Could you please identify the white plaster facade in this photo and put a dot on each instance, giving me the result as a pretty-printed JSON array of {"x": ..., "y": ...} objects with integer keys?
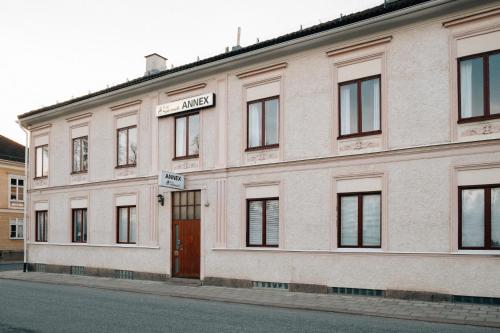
[{"x": 417, "y": 162}]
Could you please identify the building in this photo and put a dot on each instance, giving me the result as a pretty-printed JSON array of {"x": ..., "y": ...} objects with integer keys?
[
  {"x": 359, "y": 155},
  {"x": 12, "y": 178}
]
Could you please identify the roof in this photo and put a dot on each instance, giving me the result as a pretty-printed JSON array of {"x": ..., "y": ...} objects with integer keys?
[
  {"x": 11, "y": 150},
  {"x": 336, "y": 23}
]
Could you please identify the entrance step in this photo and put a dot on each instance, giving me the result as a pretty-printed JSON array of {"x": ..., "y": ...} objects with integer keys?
[{"x": 184, "y": 282}]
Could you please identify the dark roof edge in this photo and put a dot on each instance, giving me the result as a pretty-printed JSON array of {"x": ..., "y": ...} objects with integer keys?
[{"x": 330, "y": 25}]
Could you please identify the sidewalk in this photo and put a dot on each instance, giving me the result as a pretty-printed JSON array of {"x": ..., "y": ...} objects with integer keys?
[{"x": 453, "y": 313}]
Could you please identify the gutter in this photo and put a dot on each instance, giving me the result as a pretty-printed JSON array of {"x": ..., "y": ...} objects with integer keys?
[
  {"x": 244, "y": 56},
  {"x": 26, "y": 198}
]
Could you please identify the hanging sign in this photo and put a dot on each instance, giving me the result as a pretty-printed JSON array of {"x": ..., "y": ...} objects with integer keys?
[{"x": 170, "y": 179}]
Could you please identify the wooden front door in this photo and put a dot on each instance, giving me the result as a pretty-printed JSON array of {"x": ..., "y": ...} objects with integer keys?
[{"x": 186, "y": 208}]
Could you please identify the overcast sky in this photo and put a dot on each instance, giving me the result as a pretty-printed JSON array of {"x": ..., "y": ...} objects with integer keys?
[{"x": 52, "y": 50}]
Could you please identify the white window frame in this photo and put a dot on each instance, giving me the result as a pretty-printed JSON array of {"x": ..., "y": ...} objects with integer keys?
[
  {"x": 16, "y": 222},
  {"x": 16, "y": 201}
]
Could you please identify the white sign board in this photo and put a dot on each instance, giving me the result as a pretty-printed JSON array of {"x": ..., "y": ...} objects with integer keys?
[
  {"x": 170, "y": 179},
  {"x": 187, "y": 104}
]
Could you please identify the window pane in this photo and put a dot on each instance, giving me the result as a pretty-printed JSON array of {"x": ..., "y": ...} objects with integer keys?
[
  {"x": 473, "y": 218},
  {"x": 20, "y": 194},
  {"x": 13, "y": 193},
  {"x": 348, "y": 109},
  {"x": 194, "y": 134},
  {"x": 495, "y": 217},
  {"x": 122, "y": 147},
  {"x": 122, "y": 225},
  {"x": 271, "y": 114},
  {"x": 494, "y": 66},
  {"x": 85, "y": 153},
  {"x": 45, "y": 169},
  {"x": 177, "y": 213},
  {"x": 133, "y": 225},
  {"x": 20, "y": 182},
  {"x": 349, "y": 221},
  {"x": 471, "y": 88},
  {"x": 177, "y": 198},
  {"x": 84, "y": 224},
  {"x": 197, "y": 197},
  {"x": 190, "y": 212},
  {"x": 76, "y": 155},
  {"x": 371, "y": 220},
  {"x": 272, "y": 222},
  {"x": 190, "y": 198},
  {"x": 180, "y": 137},
  {"x": 12, "y": 231},
  {"x": 77, "y": 225},
  {"x": 38, "y": 172},
  {"x": 20, "y": 231},
  {"x": 132, "y": 145},
  {"x": 197, "y": 212},
  {"x": 254, "y": 125},
  {"x": 183, "y": 212},
  {"x": 370, "y": 105},
  {"x": 183, "y": 198},
  {"x": 255, "y": 223},
  {"x": 13, "y": 181}
]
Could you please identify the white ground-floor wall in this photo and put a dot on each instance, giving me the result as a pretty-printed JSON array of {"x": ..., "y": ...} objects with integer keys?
[{"x": 419, "y": 223}]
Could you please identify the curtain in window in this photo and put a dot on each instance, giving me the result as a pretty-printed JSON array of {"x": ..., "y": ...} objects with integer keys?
[
  {"x": 122, "y": 147},
  {"x": 180, "y": 136},
  {"x": 194, "y": 134},
  {"x": 466, "y": 88},
  {"x": 254, "y": 125},
  {"x": 85, "y": 153},
  {"x": 370, "y": 99},
  {"x": 122, "y": 225},
  {"x": 255, "y": 222},
  {"x": 76, "y": 155},
  {"x": 271, "y": 114},
  {"x": 77, "y": 226},
  {"x": 473, "y": 218},
  {"x": 45, "y": 169},
  {"x": 133, "y": 225},
  {"x": 348, "y": 109},
  {"x": 495, "y": 217},
  {"x": 371, "y": 220},
  {"x": 38, "y": 171},
  {"x": 494, "y": 68},
  {"x": 471, "y": 88},
  {"x": 132, "y": 145},
  {"x": 272, "y": 222},
  {"x": 349, "y": 221}
]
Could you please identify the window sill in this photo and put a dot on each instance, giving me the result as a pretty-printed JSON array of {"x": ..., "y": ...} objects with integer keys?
[
  {"x": 18, "y": 238},
  {"x": 125, "y": 166},
  {"x": 478, "y": 119},
  {"x": 180, "y": 158},
  {"x": 121, "y": 245},
  {"x": 79, "y": 172},
  {"x": 357, "y": 135},
  {"x": 359, "y": 249},
  {"x": 40, "y": 178},
  {"x": 262, "y": 148}
]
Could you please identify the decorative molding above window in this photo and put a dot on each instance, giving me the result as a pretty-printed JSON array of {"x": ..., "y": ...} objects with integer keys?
[
  {"x": 39, "y": 127},
  {"x": 359, "y": 45},
  {"x": 125, "y": 105},
  {"x": 80, "y": 116},
  {"x": 471, "y": 18},
  {"x": 262, "y": 70},
  {"x": 186, "y": 89}
]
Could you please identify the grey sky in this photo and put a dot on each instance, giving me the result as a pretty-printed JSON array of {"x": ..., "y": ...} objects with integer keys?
[{"x": 55, "y": 49}]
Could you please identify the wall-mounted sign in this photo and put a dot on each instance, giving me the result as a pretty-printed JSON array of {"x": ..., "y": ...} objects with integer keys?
[
  {"x": 170, "y": 179},
  {"x": 187, "y": 104}
]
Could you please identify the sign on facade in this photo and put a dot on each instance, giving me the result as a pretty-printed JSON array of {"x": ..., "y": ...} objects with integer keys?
[
  {"x": 187, "y": 104},
  {"x": 172, "y": 180}
]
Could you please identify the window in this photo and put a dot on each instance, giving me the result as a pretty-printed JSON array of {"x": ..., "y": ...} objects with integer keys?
[
  {"x": 359, "y": 216},
  {"x": 479, "y": 86},
  {"x": 479, "y": 217},
  {"x": 16, "y": 190},
  {"x": 359, "y": 105},
  {"x": 186, "y": 205},
  {"x": 16, "y": 228},
  {"x": 41, "y": 219},
  {"x": 79, "y": 225},
  {"x": 263, "y": 222},
  {"x": 80, "y": 154},
  {"x": 127, "y": 146},
  {"x": 187, "y": 136},
  {"x": 127, "y": 225},
  {"x": 42, "y": 161},
  {"x": 263, "y": 123}
]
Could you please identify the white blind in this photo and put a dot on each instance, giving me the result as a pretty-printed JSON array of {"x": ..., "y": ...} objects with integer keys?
[
  {"x": 255, "y": 223},
  {"x": 371, "y": 220},
  {"x": 349, "y": 221},
  {"x": 272, "y": 222},
  {"x": 473, "y": 217}
]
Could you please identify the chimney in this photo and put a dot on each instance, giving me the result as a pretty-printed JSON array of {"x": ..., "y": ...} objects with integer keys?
[
  {"x": 155, "y": 63},
  {"x": 238, "y": 37}
]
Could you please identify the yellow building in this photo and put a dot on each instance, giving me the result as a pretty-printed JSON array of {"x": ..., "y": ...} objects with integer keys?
[{"x": 12, "y": 193}]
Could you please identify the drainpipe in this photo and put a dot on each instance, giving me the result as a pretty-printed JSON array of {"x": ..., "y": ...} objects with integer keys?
[{"x": 26, "y": 201}]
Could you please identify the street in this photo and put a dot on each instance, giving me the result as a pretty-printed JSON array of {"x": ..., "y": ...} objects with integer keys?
[{"x": 38, "y": 307}]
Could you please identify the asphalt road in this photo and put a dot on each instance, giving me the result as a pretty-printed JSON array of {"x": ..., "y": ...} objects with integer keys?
[{"x": 36, "y": 307}]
